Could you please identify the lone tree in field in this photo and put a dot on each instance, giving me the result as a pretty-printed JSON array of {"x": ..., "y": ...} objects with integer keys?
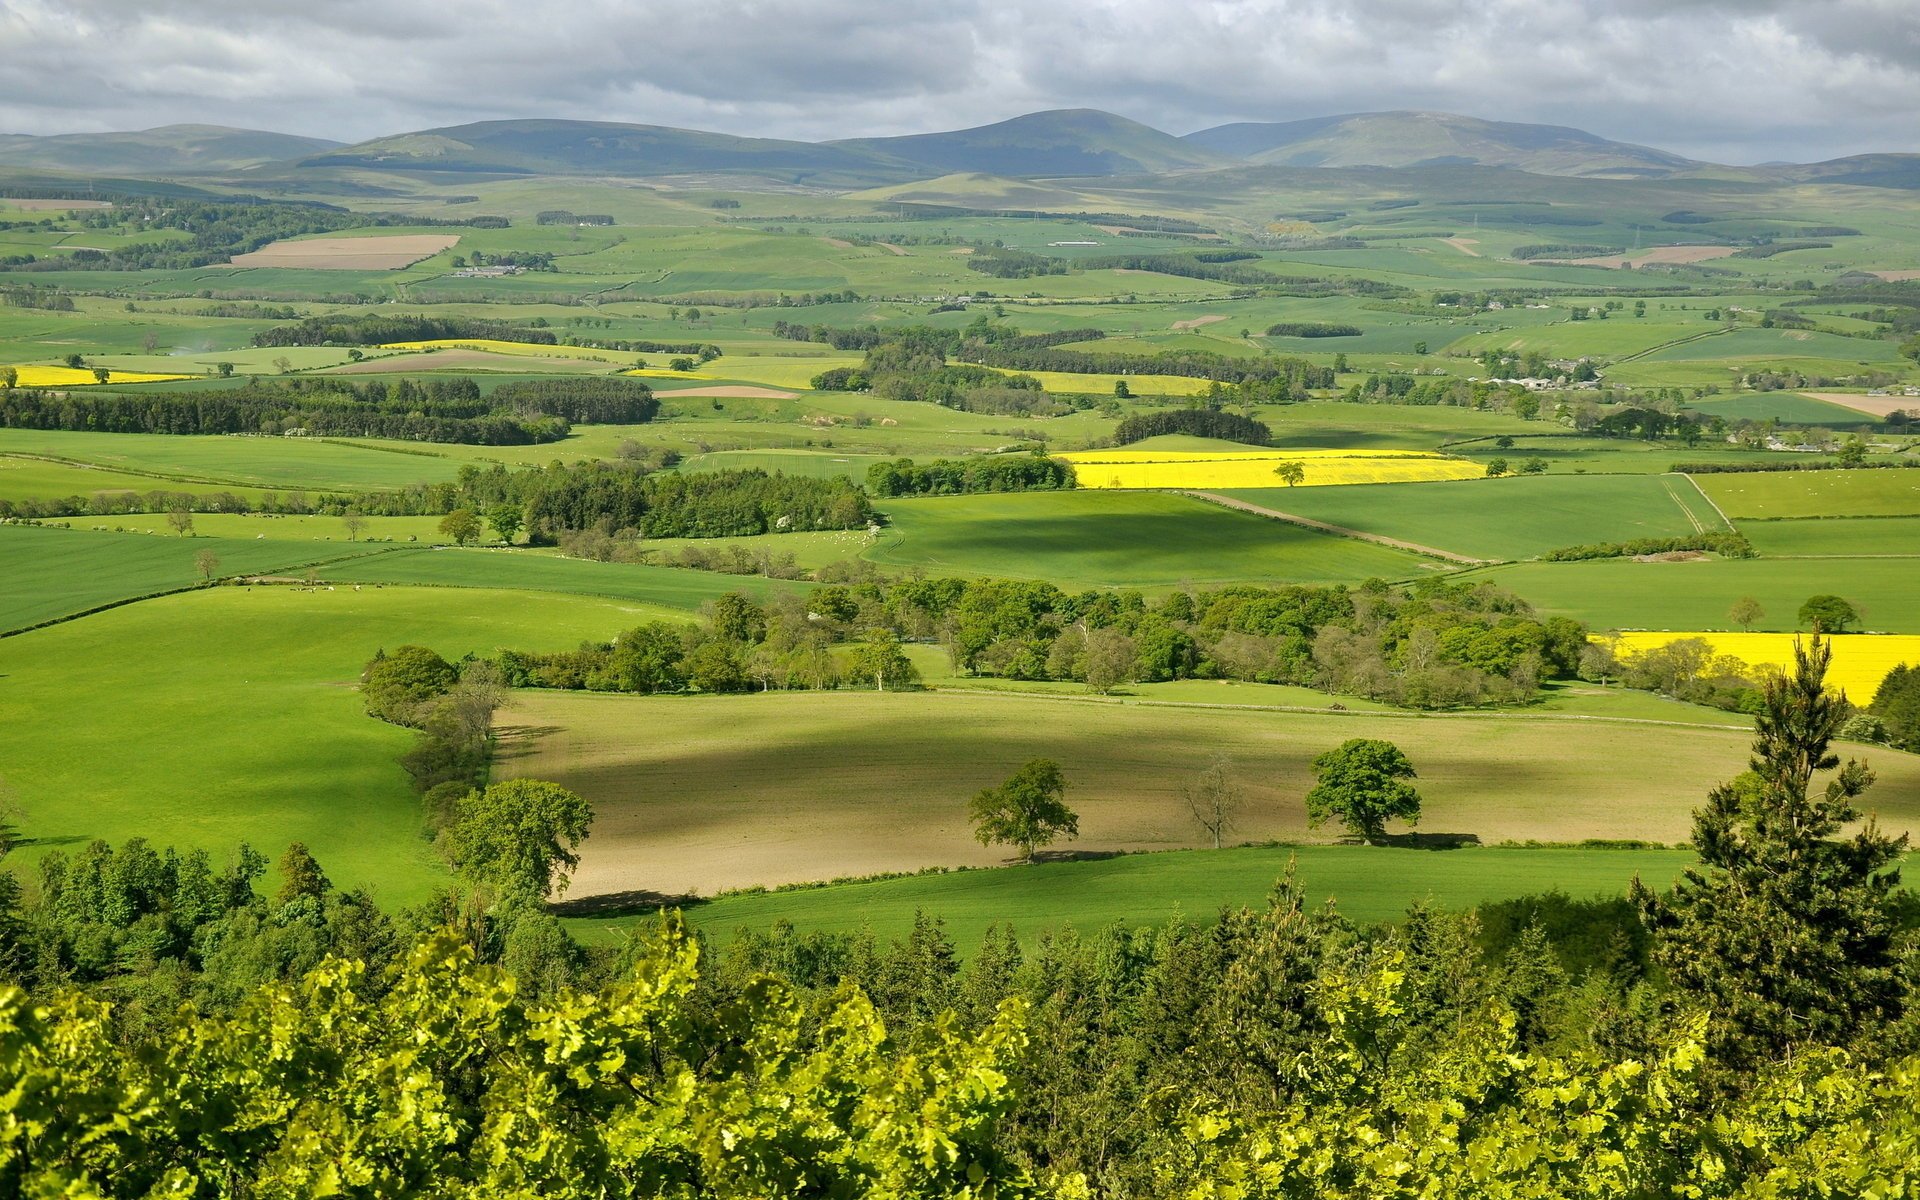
[
  {"x": 208, "y": 564},
  {"x": 460, "y": 525},
  {"x": 1746, "y": 611},
  {"x": 182, "y": 521},
  {"x": 1027, "y": 811},
  {"x": 1828, "y": 614},
  {"x": 1785, "y": 934},
  {"x": 519, "y": 836},
  {"x": 880, "y": 659},
  {"x": 1214, "y": 797},
  {"x": 101, "y": 374},
  {"x": 355, "y": 523},
  {"x": 9, "y": 377},
  {"x": 506, "y": 522},
  {"x": 1291, "y": 473},
  {"x": 1363, "y": 785}
]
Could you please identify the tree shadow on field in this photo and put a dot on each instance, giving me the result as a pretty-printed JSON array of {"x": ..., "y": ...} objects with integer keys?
[
  {"x": 66, "y": 840},
  {"x": 520, "y": 741},
  {"x": 1420, "y": 841},
  {"x": 1061, "y": 856},
  {"x": 637, "y": 903}
]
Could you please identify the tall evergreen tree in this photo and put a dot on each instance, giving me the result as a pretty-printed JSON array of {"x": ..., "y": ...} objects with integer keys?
[{"x": 1787, "y": 936}]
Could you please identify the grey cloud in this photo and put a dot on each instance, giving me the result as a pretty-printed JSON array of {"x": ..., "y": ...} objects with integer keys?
[{"x": 1736, "y": 80}]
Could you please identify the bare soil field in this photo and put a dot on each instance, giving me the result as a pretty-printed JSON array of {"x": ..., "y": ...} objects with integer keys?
[
  {"x": 54, "y": 205},
  {"x": 890, "y": 248},
  {"x": 838, "y": 243},
  {"x": 470, "y": 360},
  {"x": 698, "y": 794},
  {"x": 1659, "y": 254},
  {"x": 1198, "y": 322},
  {"x": 1464, "y": 245},
  {"x": 1897, "y": 276},
  {"x": 350, "y": 254},
  {"x": 1874, "y": 406}
]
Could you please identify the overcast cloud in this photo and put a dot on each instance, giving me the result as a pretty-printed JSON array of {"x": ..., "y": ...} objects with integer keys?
[{"x": 1726, "y": 80}]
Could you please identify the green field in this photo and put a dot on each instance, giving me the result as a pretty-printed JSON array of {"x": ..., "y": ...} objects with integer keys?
[
  {"x": 1505, "y": 518},
  {"x": 449, "y": 567},
  {"x": 1366, "y": 884},
  {"x": 52, "y": 573},
  {"x": 1829, "y": 537},
  {"x": 1623, "y": 594},
  {"x": 230, "y": 715},
  {"x": 245, "y": 462},
  {"x": 1121, "y": 539},
  {"x": 1888, "y": 492}
]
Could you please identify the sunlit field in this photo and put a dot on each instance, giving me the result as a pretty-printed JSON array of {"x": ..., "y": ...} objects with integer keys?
[
  {"x": 1257, "y": 469},
  {"x": 1860, "y": 660}
]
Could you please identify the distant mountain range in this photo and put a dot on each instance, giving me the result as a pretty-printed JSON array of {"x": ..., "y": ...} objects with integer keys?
[
  {"x": 1061, "y": 144},
  {"x": 168, "y": 150}
]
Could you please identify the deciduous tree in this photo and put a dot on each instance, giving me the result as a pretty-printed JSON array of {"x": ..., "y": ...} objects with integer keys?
[
  {"x": 1363, "y": 785},
  {"x": 1028, "y": 811}
]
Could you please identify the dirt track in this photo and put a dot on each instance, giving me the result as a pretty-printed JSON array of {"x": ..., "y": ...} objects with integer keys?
[{"x": 1342, "y": 530}]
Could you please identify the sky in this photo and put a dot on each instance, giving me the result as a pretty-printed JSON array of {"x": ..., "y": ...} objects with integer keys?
[{"x": 1736, "y": 81}]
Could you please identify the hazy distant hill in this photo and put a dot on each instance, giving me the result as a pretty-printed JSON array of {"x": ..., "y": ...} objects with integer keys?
[
  {"x": 1420, "y": 139},
  {"x": 599, "y": 148},
  {"x": 1866, "y": 170},
  {"x": 1068, "y": 141},
  {"x": 168, "y": 150}
]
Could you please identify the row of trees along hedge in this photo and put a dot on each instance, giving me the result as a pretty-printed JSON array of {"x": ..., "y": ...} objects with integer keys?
[
  {"x": 1199, "y": 421},
  {"x": 617, "y": 496},
  {"x": 1435, "y": 646},
  {"x": 1748, "y": 1033},
  {"x": 1727, "y": 545},
  {"x": 437, "y": 410},
  {"x": 958, "y": 477},
  {"x": 987, "y": 343},
  {"x": 1798, "y": 464},
  {"x": 379, "y": 329}
]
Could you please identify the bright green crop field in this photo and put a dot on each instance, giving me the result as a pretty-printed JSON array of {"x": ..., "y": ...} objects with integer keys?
[
  {"x": 228, "y": 715},
  {"x": 1366, "y": 884},
  {"x": 1831, "y": 537},
  {"x": 1886, "y": 492},
  {"x": 51, "y": 573},
  {"x": 1505, "y": 518},
  {"x": 1121, "y": 539},
  {"x": 628, "y": 583},
  {"x": 257, "y": 462},
  {"x": 1624, "y": 594}
]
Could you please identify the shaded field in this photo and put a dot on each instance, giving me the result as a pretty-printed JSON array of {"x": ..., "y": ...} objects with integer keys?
[
  {"x": 1366, "y": 884},
  {"x": 521, "y": 570},
  {"x": 52, "y": 573},
  {"x": 697, "y": 794},
  {"x": 1623, "y": 594},
  {"x": 1824, "y": 537},
  {"x": 229, "y": 715},
  {"x": 1873, "y": 493},
  {"x": 1121, "y": 539},
  {"x": 378, "y": 253},
  {"x": 1503, "y": 518}
]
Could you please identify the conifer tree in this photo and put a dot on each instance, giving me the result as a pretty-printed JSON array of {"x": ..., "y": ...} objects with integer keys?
[{"x": 1786, "y": 933}]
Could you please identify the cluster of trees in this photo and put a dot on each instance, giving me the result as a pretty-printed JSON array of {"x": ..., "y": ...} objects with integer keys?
[
  {"x": 436, "y": 410},
  {"x": 378, "y": 329},
  {"x": 1727, "y": 545},
  {"x": 560, "y": 216},
  {"x": 1001, "y": 262},
  {"x": 1313, "y": 329},
  {"x": 1896, "y": 708},
  {"x": 958, "y": 477},
  {"x": 1748, "y": 1033},
  {"x": 615, "y": 496},
  {"x": 1201, "y": 420}
]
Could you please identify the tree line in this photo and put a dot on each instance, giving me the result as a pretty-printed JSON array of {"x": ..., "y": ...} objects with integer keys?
[
  {"x": 437, "y": 410},
  {"x": 380, "y": 329},
  {"x": 1195, "y": 421},
  {"x": 960, "y": 477}
]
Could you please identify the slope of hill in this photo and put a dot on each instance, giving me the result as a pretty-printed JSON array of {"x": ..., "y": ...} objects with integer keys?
[
  {"x": 546, "y": 147},
  {"x": 1865, "y": 170},
  {"x": 1068, "y": 141},
  {"x": 167, "y": 150},
  {"x": 1421, "y": 139}
]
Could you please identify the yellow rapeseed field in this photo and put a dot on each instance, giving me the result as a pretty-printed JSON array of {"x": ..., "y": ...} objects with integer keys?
[
  {"x": 1860, "y": 660},
  {"x": 1255, "y": 468},
  {"x": 47, "y": 377}
]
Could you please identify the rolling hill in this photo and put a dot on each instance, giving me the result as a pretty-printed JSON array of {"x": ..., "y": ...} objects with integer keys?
[
  {"x": 167, "y": 150},
  {"x": 550, "y": 147},
  {"x": 1425, "y": 139},
  {"x": 1063, "y": 142}
]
